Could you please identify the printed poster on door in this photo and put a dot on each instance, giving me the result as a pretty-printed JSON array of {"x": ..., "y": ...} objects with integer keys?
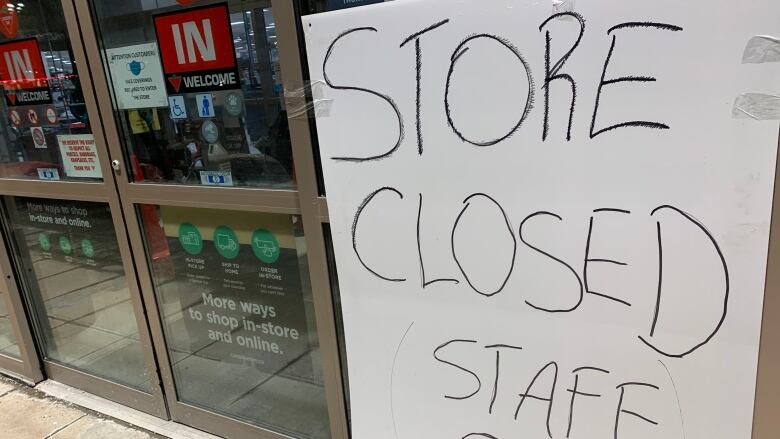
[
  {"x": 23, "y": 73},
  {"x": 137, "y": 76},
  {"x": 196, "y": 48},
  {"x": 241, "y": 279},
  {"x": 79, "y": 155}
]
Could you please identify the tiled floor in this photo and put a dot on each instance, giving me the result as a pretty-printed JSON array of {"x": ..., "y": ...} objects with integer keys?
[
  {"x": 86, "y": 320},
  {"x": 28, "y": 414}
]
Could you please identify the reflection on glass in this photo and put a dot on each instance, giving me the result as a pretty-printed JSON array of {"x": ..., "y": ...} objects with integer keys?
[
  {"x": 8, "y": 344},
  {"x": 215, "y": 116},
  {"x": 74, "y": 281},
  {"x": 44, "y": 127},
  {"x": 234, "y": 292}
]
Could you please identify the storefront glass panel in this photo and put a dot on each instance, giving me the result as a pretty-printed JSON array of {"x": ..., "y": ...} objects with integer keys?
[
  {"x": 71, "y": 271},
  {"x": 8, "y": 344},
  {"x": 234, "y": 294},
  {"x": 197, "y": 107},
  {"x": 44, "y": 128}
]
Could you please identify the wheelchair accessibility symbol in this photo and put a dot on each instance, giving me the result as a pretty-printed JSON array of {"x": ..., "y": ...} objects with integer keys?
[{"x": 177, "y": 107}]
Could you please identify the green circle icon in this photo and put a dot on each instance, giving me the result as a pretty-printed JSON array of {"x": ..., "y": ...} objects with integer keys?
[
  {"x": 65, "y": 245},
  {"x": 265, "y": 246},
  {"x": 226, "y": 242},
  {"x": 43, "y": 240},
  {"x": 190, "y": 239},
  {"x": 87, "y": 248}
]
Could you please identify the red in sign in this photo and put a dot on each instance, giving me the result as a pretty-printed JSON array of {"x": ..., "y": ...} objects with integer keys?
[
  {"x": 185, "y": 2},
  {"x": 196, "y": 47},
  {"x": 23, "y": 74},
  {"x": 51, "y": 115},
  {"x": 32, "y": 116},
  {"x": 9, "y": 22},
  {"x": 16, "y": 119}
]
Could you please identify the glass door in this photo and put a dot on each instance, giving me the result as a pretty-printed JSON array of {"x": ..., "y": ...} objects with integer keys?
[
  {"x": 62, "y": 220},
  {"x": 219, "y": 193}
]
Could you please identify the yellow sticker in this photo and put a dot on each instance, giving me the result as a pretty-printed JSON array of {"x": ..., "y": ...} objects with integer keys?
[{"x": 142, "y": 120}]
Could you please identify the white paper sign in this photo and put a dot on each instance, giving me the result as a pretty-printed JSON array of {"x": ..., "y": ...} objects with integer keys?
[
  {"x": 79, "y": 155},
  {"x": 137, "y": 76},
  {"x": 38, "y": 137},
  {"x": 515, "y": 263}
]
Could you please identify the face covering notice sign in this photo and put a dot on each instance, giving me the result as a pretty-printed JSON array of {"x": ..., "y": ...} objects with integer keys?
[{"x": 137, "y": 76}]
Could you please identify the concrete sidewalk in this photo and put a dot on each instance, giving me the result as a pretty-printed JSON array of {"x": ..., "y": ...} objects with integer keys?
[{"x": 26, "y": 413}]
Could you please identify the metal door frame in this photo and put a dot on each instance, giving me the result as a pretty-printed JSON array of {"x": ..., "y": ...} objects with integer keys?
[
  {"x": 304, "y": 201},
  {"x": 34, "y": 368}
]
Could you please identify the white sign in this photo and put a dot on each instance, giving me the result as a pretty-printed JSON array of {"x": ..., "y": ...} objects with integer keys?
[
  {"x": 48, "y": 174},
  {"x": 39, "y": 137},
  {"x": 515, "y": 263},
  {"x": 205, "y": 103},
  {"x": 137, "y": 76},
  {"x": 177, "y": 107},
  {"x": 79, "y": 155},
  {"x": 216, "y": 178}
]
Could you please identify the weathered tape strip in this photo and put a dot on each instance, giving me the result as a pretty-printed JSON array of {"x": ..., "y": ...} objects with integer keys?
[
  {"x": 757, "y": 106},
  {"x": 298, "y": 106},
  {"x": 559, "y": 6},
  {"x": 761, "y": 49}
]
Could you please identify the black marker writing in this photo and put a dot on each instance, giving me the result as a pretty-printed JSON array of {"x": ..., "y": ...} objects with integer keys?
[
  {"x": 553, "y": 73},
  {"x": 386, "y": 98},
  {"x": 529, "y": 101},
  {"x": 498, "y": 348},
  {"x": 724, "y": 310},
  {"x": 511, "y": 235},
  {"x": 548, "y": 399},
  {"x": 603, "y": 82},
  {"x": 425, "y": 282},
  {"x": 476, "y": 377},
  {"x": 575, "y": 391},
  {"x": 418, "y": 70},
  {"x": 589, "y": 260},
  {"x": 355, "y": 222},
  {"x": 577, "y": 276},
  {"x": 621, "y": 410}
]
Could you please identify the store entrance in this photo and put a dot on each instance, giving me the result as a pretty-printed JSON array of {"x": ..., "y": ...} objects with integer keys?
[
  {"x": 69, "y": 269},
  {"x": 152, "y": 212}
]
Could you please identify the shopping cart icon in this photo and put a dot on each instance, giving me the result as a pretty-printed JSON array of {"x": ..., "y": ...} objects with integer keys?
[
  {"x": 226, "y": 242},
  {"x": 267, "y": 248},
  {"x": 190, "y": 238}
]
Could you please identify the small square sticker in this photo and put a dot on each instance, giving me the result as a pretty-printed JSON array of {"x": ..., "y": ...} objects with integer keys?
[
  {"x": 177, "y": 107},
  {"x": 48, "y": 174}
]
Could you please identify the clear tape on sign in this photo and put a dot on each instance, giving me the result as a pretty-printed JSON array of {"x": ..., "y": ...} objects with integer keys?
[
  {"x": 757, "y": 106},
  {"x": 560, "y": 6},
  {"x": 307, "y": 101},
  {"x": 761, "y": 49}
]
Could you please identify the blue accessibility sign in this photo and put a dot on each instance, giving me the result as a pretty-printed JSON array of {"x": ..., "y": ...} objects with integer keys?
[
  {"x": 216, "y": 178},
  {"x": 205, "y": 103},
  {"x": 177, "y": 107}
]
